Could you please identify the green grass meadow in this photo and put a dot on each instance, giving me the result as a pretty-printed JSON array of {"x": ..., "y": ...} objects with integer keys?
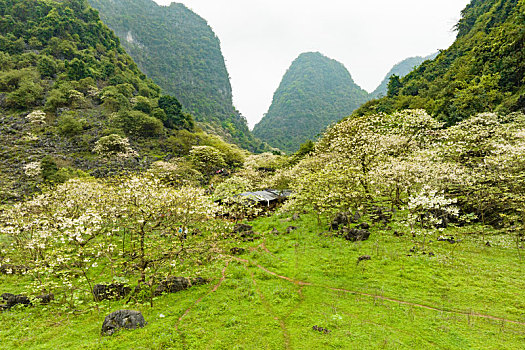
[{"x": 466, "y": 296}]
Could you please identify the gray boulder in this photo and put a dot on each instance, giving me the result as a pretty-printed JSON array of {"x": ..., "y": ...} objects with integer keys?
[
  {"x": 356, "y": 234},
  {"x": 13, "y": 300},
  {"x": 289, "y": 229},
  {"x": 242, "y": 228},
  {"x": 341, "y": 219},
  {"x": 176, "y": 284},
  {"x": 46, "y": 298},
  {"x": 237, "y": 251},
  {"x": 128, "y": 319}
]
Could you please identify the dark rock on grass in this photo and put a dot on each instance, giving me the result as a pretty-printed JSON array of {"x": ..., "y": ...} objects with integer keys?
[
  {"x": 295, "y": 217},
  {"x": 275, "y": 232},
  {"x": 244, "y": 231},
  {"x": 340, "y": 219},
  {"x": 363, "y": 258},
  {"x": 363, "y": 226},
  {"x": 127, "y": 319},
  {"x": 289, "y": 229},
  {"x": 488, "y": 244},
  {"x": 176, "y": 284},
  {"x": 381, "y": 215},
  {"x": 237, "y": 251},
  {"x": 114, "y": 291},
  {"x": 46, "y": 298},
  {"x": 173, "y": 285},
  {"x": 247, "y": 234},
  {"x": 321, "y": 329},
  {"x": 355, "y": 234},
  {"x": 242, "y": 228},
  {"x": 13, "y": 300},
  {"x": 450, "y": 240},
  {"x": 398, "y": 234}
]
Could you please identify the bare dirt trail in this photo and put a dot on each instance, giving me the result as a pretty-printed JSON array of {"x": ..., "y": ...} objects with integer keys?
[
  {"x": 214, "y": 289},
  {"x": 265, "y": 249},
  {"x": 269, "y": 309}
]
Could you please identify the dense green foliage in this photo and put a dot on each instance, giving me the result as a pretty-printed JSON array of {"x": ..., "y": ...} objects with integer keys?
[
  {"x": 482, "y": 71},
  {"x": 315, "y": 92},
  {"x": 180, "y": 52},
  {"x": 400, "y": 69},
  {"x": 65, "y": 84}
]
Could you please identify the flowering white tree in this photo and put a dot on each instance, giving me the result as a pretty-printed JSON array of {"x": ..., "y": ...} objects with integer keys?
[
  {"x": 353, "y": 164},
  {"x": 127, "y": 227},
  {"x": 36, "y": 117},
  {"x": 114, "y": 145},
  {"x": 33, "y": 169},
  {"x": 427, "y": 211}
]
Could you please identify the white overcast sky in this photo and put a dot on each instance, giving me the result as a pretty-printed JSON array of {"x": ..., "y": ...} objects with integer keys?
[{"x": 261, "y": 38}]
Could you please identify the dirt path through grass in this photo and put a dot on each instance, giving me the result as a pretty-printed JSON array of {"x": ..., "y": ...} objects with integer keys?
[
  {"x": 214, "y": 289},
  {"x": 399, "y": 301},
  {"x": 269, "y": 309}
]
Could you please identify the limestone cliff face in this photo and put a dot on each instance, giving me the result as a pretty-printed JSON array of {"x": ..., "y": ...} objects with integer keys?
[{"x": 179, "y": 50}]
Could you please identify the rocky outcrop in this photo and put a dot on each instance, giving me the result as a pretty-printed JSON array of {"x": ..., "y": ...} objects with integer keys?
[
  {"x": 127, "y": 319},
  {"x": 176, "y": 284}
]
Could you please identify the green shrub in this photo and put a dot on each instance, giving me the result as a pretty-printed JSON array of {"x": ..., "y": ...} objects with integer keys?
[
  {"x": 64, "y": 174},
  {"x": 47, "y": 66},
  {"x": 69, "y": 125},
  {"x": 138, "y": 123},
  {"x": 49, "y": 167},
  {"x": 55, "y": 100},
  {"x": 113, "y": 100},
  {"x": 142, "y": 104},
  {"x": 181, "y": 142},
  {"x": 27, "y": 95}
]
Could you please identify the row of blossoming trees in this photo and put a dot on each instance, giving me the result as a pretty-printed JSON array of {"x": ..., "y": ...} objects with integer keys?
[
  {"x": 130, "y": 230},
  {"x": 408, "y": 160},
  {"x": 144, "y": 228}
]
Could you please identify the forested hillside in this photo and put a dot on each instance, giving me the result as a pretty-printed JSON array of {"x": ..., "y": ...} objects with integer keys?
[
  {"x": 179, "y": 50},
  {"x": 400, "y": 69},
  {"x": 315, "y": 92},
  {"x": 73, "y": 103},
  {"x": 483, "y": 70},
  {"x": 392, "y": 231}
]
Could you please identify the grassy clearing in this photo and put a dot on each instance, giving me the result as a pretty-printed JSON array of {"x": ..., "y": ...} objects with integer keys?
[{"x": 467, "y": 296}]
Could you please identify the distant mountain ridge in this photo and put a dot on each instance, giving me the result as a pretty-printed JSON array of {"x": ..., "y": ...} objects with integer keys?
[
  {"x": 400, "y": 69},
  {"x": 178, "y": 50},
  {"x": 315, "y": 92}
]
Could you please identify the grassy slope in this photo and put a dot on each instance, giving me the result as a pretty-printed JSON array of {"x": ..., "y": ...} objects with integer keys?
[{"x": 463, "y": 298}]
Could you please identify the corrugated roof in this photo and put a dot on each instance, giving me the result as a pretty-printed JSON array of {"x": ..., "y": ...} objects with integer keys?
[{"x": 266, "y": 195}]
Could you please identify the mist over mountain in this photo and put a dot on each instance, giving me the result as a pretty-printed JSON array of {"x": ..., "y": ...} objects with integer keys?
[{"x": 315, "y": 92}]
